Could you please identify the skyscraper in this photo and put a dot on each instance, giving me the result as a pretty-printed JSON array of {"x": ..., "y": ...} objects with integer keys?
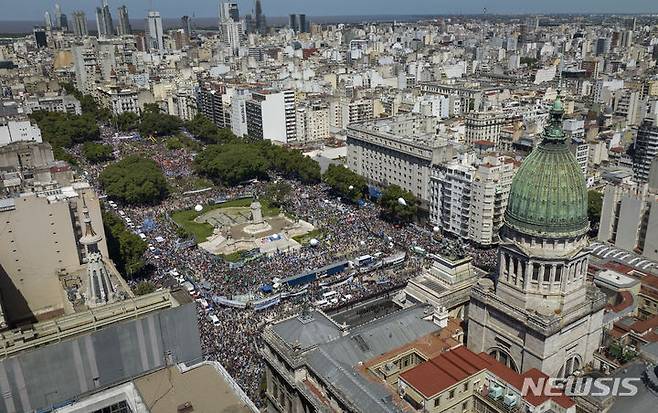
[
  {"x": 47, "y": 22},
  {"x": 40, "y": 37},
  {"x": 124, "y": 22},
  {"x": 186, "y": 23},
  {"x": 229, "y": 11},
  {"x": 261, "y": 23},
  {"x": 154, "y": 31},
  {"x": 646, "y": 149},
  {"x": 230, "y": 26},
  {"x": 293, "y": 23},
  {"x": 303, "y": 28},
  {"x": 58, "y": 16},
  {"x": 80, "y": 24},
  {"x": 104, "y": 21},
  {"x": 542, "y": 312}
]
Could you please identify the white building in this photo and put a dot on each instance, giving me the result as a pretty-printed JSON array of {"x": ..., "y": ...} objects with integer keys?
[
  {"x": 87, "y": 71},
  {"x": 271, "y": 115},
  {"x": 18, "y": 131},
  {"x": 63, "y": 103},
  {"x": 469, "y": 196},
  {"x": 119, "y": 100},
  {"x": 154, "y": 31}
]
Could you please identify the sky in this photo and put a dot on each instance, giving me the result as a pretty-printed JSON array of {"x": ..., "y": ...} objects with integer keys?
[{"x": 34, "y": 9}]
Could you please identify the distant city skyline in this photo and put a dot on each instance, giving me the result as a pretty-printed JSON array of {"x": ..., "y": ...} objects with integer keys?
[{"x": 34, "y": 10}]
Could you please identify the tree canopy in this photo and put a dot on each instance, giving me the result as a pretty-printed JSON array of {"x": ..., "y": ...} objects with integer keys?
[
  {"x": 125, "y": 247},
  {"x": 204, "y": 130},
  {"x": 154, "y": 122},
  {"x": 97, "y": 152},
  {"x": 393, "y": 210},
  {"x": 290, "y": 163},
  {"x": 134, "y": 180},
  {"x": 65, "y": 129},
  {"x": 594, "y": 205},
  {"x": 231, "y": 164},
  {"x": 127, "y": 121},
  {"x": 277, "y": 192},
  {"x": 345, "y": 183}
]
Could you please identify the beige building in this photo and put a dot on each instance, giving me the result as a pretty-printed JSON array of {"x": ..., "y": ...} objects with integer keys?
[
  {"x": 312, "y": 123},
  {"x": 398, "y": 151},
  {"x": 38, "y": 244},
  {"x": 468, "y": 197},
  {"x": 460, "y": 381},
  {"x": 483, "y": 126}
]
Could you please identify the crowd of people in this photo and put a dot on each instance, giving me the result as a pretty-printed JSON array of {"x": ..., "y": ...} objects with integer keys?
[{"x": 347, "y": 231}]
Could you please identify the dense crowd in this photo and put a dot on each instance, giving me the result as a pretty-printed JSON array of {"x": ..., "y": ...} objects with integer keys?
[{"x": 347, "y": 231}]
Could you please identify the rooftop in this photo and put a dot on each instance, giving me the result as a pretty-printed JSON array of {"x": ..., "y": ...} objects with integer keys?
[{"x": 201, "y": 387}]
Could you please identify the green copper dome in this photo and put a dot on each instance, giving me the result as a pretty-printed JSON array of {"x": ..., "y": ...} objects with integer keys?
[{"x": 548, "y": 197}]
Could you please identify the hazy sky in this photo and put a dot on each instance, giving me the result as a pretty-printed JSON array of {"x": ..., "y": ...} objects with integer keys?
[{"x": 34, "y": 9}]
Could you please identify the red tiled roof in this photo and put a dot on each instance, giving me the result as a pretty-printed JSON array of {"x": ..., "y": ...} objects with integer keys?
[
  {"x": 625, "y": 302},
  {"x": 645, "y": 325},
  {"x": 443, "y": 371}
]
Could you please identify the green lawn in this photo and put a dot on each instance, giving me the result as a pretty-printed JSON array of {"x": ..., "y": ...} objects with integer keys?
[
  {"x": 306, "y": 238},
  {"x": 185, "y": 219},
  {"x": 201, "y": 231},
  {"x": 267, "y": 209}
]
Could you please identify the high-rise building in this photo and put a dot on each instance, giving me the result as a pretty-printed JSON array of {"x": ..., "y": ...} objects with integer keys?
[
  {"x": 229, "y": 11},
  {"x": 271, "y": 115},
  {"x": 61, "y": 22},
  {"x": 87, "y": 71},
  {"x": 80, "y": 24},
  {"x": 303, "y": 26},
  {"x": 154, "y": 31},
  {"x": 230, "y": 27},
  {"x": 260, "y": 22},
  {"x": 104, "y": 23},
  {"x": 186, "y": 23},
  {"x": 468, "y": 197},
  {"x": 646, "y": 149},
  {"x": 293, "y": 23},
  {"x": 123, "y": 28},
  {"x": 40, "y": 37},
  {"x": 542, "y": 312},
  {"x": 47, "y": 21}
]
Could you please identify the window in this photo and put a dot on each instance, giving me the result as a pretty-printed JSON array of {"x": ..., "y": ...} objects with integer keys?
[
  {"x": 437, "y": 401},
  {"x": 466, "y": 386},
  {"x": 451, "y": 394}
]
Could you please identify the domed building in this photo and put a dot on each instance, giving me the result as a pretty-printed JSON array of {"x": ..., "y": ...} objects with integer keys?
[{"x": 541, "y": 312}]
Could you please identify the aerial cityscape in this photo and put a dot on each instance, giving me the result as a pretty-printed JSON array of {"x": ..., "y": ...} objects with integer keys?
[{"x": 291, "y": 207}]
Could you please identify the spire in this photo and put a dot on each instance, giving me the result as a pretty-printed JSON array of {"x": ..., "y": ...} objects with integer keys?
[
  {"x": 89, "y": 237},
  {"x": 99, "y": 285},
  {"x": 553, "y": 132}
]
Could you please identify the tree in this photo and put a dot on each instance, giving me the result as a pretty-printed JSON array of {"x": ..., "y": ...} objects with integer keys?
[
  {"x": 277, "y": 192},
  {"x": 144, "y": 287},
  {"x": 231, "y": 164},
  {"x": 158, "y": 124},
  {"x": 134, "y": 180},
  {"x": 127, "y": 121},
  {"x": 290, "y": 163},
  {"x": 393, "y": 209},
  {"x": 204, "y": 130},
  {"x": 594, "y": 205},
  {"x": 125, "y": 248},
  {"x": 97, "y": 152},
  {"x": 65, "y": 129},
  {"x": 345, "y": 183}
]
